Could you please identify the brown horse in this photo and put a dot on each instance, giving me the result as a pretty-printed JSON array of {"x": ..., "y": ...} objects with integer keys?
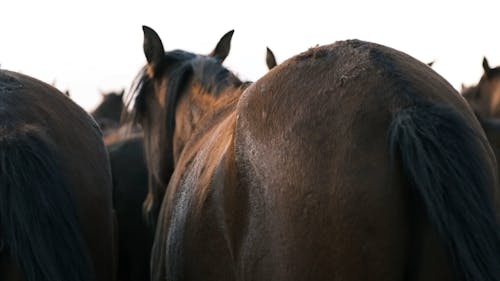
[
  {"x": 56, "y": 220},
  {"x": 112, "y": 117},
  {"x": 130, "y": 186},
  {"x": 108, "y": 112},
  {"x": 160, "y": 156},
  {"x": 351, "y": 161},
  {"x": 484, "y": 98},
  {"x": 271, "y": 59}
]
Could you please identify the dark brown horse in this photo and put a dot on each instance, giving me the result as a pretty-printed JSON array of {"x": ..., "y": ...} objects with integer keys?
[
  {"x": 108, "y": 112},
  {"x": 484, "y": 98},
  {"x": 271, "y": 60},
  {"x": 56, "y": 221},
  {"x": 130, "y": 186},
  {"x": 351, "y": 161}
]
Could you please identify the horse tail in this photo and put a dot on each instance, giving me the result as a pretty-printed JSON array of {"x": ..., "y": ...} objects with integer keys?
[
  {"x": 446, "y": 166},
  {"x": 38, "y": 219}
]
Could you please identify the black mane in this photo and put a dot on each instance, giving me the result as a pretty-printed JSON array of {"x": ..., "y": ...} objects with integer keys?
[{"x": 181, "y": 67}]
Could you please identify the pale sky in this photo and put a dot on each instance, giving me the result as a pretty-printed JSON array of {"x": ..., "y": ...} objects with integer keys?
[{"x": 91, "y": 46}]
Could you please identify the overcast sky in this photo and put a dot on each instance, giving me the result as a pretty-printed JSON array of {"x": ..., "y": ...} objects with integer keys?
[{"x": 91, "y": 46}]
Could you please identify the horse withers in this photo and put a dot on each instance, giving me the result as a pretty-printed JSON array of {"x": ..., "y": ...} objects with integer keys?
[
  {"x": 56, "y": 220},
  {"x": 351, "y": 161}
]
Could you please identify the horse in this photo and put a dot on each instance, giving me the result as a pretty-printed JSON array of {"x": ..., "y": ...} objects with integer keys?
[
  {"x": 108, "y": 113},
  {"x": 484, "y": 98},
  {"x": 130, "y": 186},
  {"x": 113, "y": 118},
  {"x": 159, "y": 156},
  {"x": 125, "y": 147},
  {"x": 56, "y": 218},
  {"x": 124, "y": 144},
  {"x": 349, "y": 161},
  {"x": 491, "y": 127}
]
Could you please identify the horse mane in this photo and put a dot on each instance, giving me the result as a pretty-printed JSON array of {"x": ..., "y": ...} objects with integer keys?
[{"x": 181, "y": 67}]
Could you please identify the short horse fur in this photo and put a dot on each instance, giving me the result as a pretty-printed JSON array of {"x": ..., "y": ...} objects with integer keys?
[
  {"x": 351, "y": 161},
  {"x": 56, "y": 219}
]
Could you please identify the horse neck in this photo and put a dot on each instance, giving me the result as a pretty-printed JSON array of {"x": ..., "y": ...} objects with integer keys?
[{"x": 213, "y": 113}]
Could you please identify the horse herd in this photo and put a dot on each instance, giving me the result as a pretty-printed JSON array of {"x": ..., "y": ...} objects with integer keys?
[{"x": 350, "y": 161}]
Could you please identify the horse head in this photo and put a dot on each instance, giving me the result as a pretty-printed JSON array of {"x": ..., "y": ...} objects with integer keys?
[
  {"x": 174, "y": 92},
  {"x": 484, "y": 98}
]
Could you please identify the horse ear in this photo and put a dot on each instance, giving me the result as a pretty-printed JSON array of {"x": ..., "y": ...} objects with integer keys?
[
  {"x": 122, "y": 92},
  {"x": 153, "y": 47},
  {"x": 486, "y": 65},
  {"x": 221, "y": 51},
  {"x": 431, "y": 63},
  {"x": 270, "y": 59}
]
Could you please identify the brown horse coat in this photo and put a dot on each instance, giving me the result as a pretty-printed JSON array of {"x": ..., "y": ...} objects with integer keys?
[
  {"x": 484, "y": 98},
  {"x": 351, "y": 161},
  {"x": 56, "y": 215},
  {"x": 130, "y": 184}
]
